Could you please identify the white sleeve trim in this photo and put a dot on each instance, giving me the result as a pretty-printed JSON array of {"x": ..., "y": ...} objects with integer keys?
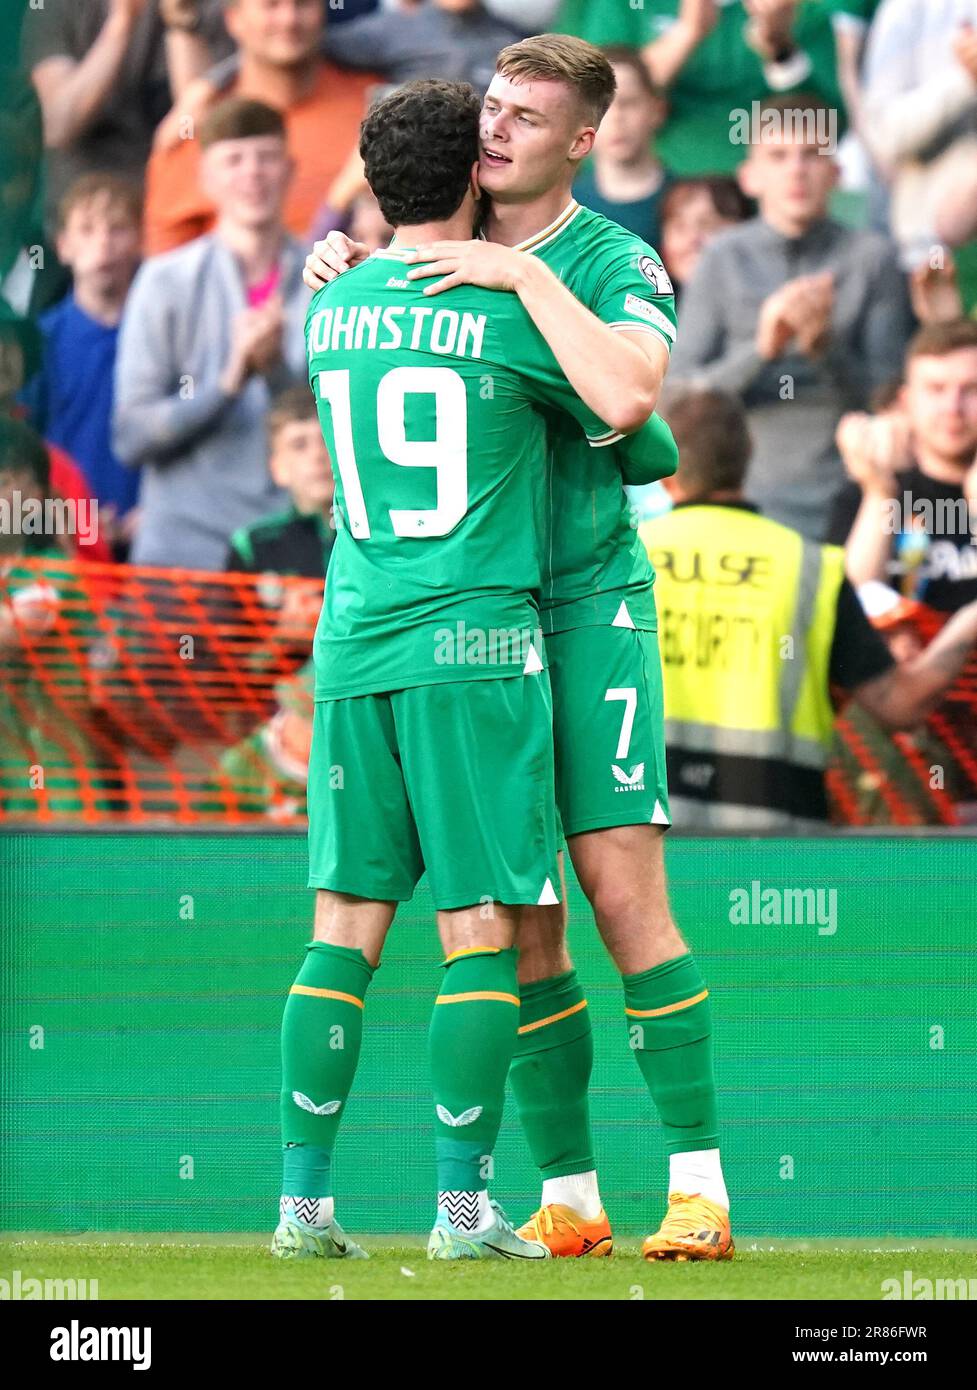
[
  {"x": 601, "y": 441},
  {"x": 632, "y": 326}
]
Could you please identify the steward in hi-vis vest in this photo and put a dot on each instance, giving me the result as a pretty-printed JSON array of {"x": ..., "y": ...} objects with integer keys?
[{"x": 757, "y": 626}]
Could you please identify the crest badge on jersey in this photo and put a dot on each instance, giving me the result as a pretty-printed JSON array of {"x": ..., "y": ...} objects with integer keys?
[{"x": 656, "y": 275}]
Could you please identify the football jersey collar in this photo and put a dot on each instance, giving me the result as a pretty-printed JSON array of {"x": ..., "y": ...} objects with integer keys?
[{"x": 550, "y": 233}]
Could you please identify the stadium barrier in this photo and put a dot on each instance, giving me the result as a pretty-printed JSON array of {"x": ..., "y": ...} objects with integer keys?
[
  {"x": 152, "y": 696},
  {"x": 144, "y": 975}
]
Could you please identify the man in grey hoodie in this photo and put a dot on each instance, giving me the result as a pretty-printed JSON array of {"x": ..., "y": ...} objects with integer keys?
[
  {"x": 211, "y": 332},
  {"x": 799, "y": 316}
]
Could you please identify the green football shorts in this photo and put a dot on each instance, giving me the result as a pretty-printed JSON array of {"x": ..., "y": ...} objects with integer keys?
[
  {"x": 608, "y": 726},
  {"x": 455, "y": 779}
]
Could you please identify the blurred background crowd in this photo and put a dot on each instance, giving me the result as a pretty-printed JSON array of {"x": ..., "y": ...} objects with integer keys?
[{"x": 166, "y": 164}]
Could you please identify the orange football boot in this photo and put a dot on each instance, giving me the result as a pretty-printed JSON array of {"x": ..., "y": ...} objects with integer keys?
[
  {"x": 693, "y": 1229},
  {"x": 565, "y": 1232}
]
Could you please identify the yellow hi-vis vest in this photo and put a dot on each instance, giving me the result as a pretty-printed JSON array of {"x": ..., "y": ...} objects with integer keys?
[{"x": 746, "y": 619}]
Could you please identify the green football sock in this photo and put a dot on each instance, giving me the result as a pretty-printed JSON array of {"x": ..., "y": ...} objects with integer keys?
[
  {"x": 471, "y": 1041},
  {"x": 322, "y": 1028},
  {"x": 550, "y": 1074},
  {"x": 670, "y": 1032}
]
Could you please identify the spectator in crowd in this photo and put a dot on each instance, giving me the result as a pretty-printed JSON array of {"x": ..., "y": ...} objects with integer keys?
[
  {"x": 299, "y": 539},
  {"x": 625, "y": 180},
  {"x": 525, "y": 16},
  {"x": 920, "y": 105},
  {"x": 457, "y": 40},
  {"x": 278, "y": 63},
  {"x": 756, "y": 623},
  {"x": 20, "y": 357},
  {"x": 714, "y": 59},
  {"x": 107, "y": 71},
  {"x": 693, "y": 211},
  {"x": 70, "y": 400},
  {"x": 211, "y": 331},
  {"x": 910, "y": 514},
  {"x": 799, "y": 315}
]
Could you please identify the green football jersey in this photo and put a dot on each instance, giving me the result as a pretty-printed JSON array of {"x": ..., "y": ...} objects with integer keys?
[
  {"x": 432, "y": 410},
  {"x": 595, "y": 559}
]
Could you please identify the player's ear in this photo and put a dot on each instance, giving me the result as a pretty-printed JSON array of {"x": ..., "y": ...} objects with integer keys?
[
  {"x": 474, "y": 185},
  {"x": 583, "y": 143}
]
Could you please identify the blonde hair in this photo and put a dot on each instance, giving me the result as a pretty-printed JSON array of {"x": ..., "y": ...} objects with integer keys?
[{"x": 563, "y": 58}]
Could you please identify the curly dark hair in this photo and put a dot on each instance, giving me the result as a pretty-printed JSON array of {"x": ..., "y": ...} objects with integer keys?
[{"x": 418, "y": 145}]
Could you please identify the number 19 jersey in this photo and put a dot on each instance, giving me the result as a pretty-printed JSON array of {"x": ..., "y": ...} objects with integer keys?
[{"x": 432, "y": 408}]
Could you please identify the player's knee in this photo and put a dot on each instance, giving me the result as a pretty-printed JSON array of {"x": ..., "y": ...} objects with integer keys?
[{"x": 541, "y": 940}]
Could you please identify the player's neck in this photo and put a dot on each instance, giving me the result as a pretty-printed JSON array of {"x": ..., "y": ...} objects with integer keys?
[
  {"x": 457, "y": 228},
  {"x": 512, "y": 223},
  {"x": 256, "y": 249}
]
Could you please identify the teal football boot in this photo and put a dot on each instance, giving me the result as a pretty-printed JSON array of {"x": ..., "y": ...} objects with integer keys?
[
  {"x": 498, "y": 1242},
  {"x": 295, "y": 1240}
]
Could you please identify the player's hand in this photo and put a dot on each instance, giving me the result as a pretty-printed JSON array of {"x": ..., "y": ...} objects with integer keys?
[
  {"x": 480, "y": 263},
  {"x": 328, "y": 259},
  {"x": 935, "y": 293},
  {"x": 965, "y": 49}
]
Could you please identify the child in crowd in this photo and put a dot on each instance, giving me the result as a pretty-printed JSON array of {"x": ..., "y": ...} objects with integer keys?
[
  {"x": 70, "y": 400},
  {"x": 626, "y": 180}
]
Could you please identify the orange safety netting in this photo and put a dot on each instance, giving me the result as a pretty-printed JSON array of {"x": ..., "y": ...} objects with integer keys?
[
  {"x": 135, "y": 695},
  {"x": 142, "y": 694},
  {"x": 927, "y": 777}
]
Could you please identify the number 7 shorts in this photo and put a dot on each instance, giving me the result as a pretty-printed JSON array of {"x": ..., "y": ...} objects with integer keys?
[
  {"x": 608, "y": 725},
  {"x": 455, "y": 779}
]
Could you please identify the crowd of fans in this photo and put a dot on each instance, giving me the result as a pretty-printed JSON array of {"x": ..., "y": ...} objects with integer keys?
[{"x": 806, "y": 168}]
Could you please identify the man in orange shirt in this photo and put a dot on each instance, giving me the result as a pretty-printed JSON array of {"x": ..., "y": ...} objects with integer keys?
[{"x": 278, "y": 41}]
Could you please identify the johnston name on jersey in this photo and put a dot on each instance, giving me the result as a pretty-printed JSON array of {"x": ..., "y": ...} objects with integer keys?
[{"x": 433, "y": 413}]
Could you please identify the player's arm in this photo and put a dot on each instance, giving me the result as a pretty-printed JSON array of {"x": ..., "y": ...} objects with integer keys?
[
  {"x": 649, "y": 454},
  {"x": 643, "y": 456},
  {"x": 616, "y": 370}
]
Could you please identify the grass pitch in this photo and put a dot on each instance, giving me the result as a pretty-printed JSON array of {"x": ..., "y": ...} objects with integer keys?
[{"x": 239, "y": 1267}]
